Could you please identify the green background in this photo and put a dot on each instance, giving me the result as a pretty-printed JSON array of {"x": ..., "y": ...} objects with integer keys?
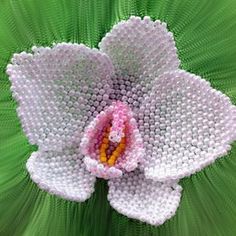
[{"x": 205, "y": 33}]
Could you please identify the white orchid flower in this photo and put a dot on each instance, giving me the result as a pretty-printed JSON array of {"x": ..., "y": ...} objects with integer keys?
[{"x": 126, "y": 113}]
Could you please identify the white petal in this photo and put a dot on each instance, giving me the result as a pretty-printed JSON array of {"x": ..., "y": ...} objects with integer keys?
[
  {"x": 61, "y": 173},
  {"x": 59, "y": 90},
  {"x": 185, "y": 125},
  {"x": 142, "y": 199},
  {"x": 140, "y": 47}
]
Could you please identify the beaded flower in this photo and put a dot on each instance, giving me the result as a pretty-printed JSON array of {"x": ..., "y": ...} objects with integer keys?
[{"x": 126, "y": 113}]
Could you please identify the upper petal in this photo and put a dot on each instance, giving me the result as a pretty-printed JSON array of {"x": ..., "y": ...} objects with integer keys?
[
  {"x": 185, "y": 125},
  {"x": 59, "y": 90},
  {"x": 62, "y": 173},
  {"x": 141, "y": 48},
  {"x": 146, "y": 200}
]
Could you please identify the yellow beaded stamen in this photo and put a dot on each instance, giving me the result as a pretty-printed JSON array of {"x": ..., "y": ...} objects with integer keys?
[
  {"x": 115, "y": 154},
  {"x": 104, "y": 146}
]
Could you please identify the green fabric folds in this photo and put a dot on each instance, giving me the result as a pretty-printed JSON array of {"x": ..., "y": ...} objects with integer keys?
[{"x": 205, "y": 34}]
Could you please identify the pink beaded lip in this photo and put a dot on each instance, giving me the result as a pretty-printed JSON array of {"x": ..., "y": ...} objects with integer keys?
[
  {"x": 125, "y": 113},
  {"x": 109, "y": 161}
]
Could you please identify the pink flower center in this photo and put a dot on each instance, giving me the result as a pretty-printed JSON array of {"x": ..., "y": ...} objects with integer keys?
[{"x": 112, "y": 142}]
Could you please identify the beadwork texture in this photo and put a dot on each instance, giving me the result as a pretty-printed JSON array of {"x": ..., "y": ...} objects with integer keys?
[
  {"x": 124, "y": 160},
  {"x": 59, "y": 89},
  {"x": 63, "y": 93},
  {"x": 191, "y": 125},
  {"x": 137, "y": 197},
  {"x": 62, "y": 173}
]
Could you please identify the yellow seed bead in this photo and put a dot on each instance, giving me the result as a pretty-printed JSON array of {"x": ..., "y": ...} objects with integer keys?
[
  {"x": 112, "y": 157},
  {"x": 103, "y": 153},
  {"x": 103, "y": 159},
  {"x": 119, "y": 148},
  {"x": 122, "y": 145},
  {"x": 103, "y": 147},
  {"x": 122, "y": 141},
  {"x": 116, "y": 153},
  {"x": 105, "y": 141},
  {"x": 111, "y": 162}
]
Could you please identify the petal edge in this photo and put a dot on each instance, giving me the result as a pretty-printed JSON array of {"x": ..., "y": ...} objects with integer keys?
[
  {"x": 62, "y": 174},
  {"x": 146, "y": 200},
  {"x": 187, "y": 126}
]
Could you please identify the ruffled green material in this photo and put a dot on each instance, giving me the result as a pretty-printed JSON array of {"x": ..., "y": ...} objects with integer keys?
[{"x": 205, "y": 33}]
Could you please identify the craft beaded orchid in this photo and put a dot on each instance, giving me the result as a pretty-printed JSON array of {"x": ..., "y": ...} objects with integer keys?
[{"x": 125, "y": 113}]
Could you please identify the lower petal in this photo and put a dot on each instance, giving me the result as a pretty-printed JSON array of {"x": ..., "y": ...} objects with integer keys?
[
  {"x": 61, "y": 173},
  {"x": 143, "y": 199}
]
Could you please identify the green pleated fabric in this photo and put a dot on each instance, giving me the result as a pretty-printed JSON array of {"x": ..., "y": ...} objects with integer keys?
[{"x": 205, "y": 34}]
